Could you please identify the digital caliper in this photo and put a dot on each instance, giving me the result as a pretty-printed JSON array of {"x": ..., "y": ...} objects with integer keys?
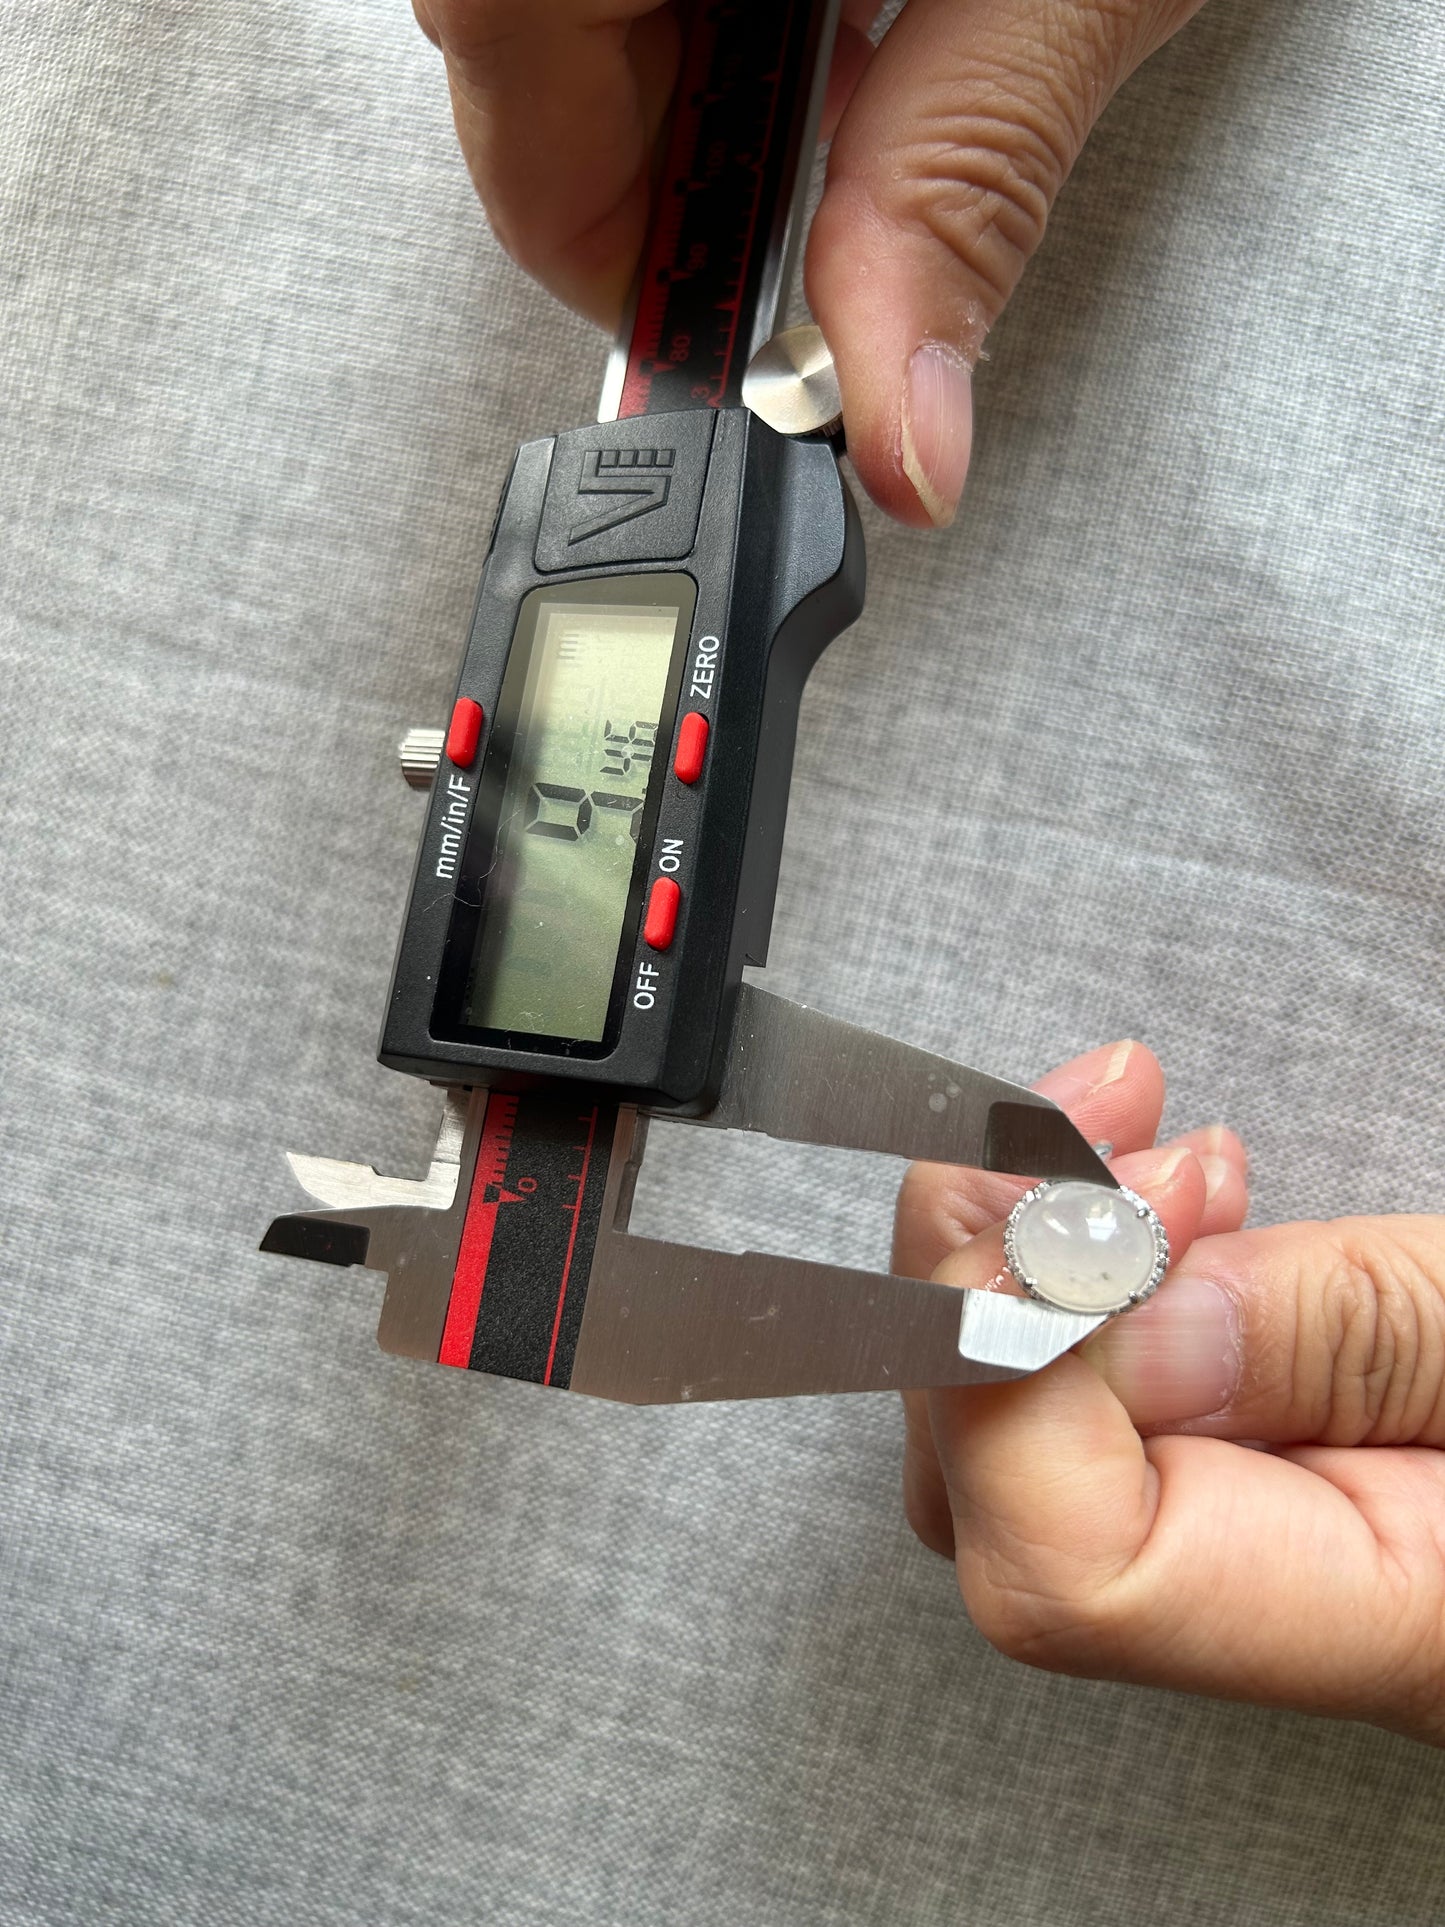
[{"x": 602, "y": 848}]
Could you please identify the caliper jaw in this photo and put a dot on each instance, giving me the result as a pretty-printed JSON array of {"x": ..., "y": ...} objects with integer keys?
[{"x": 514, "y": 1254}]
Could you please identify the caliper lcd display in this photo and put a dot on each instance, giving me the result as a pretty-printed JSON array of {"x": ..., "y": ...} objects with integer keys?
[{"x": 583, "y": 711}]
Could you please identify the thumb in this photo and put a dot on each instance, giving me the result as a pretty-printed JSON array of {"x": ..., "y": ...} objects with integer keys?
[
  {"x": 963, "y": 129},
  {"x": 1326, "y": 1334}
]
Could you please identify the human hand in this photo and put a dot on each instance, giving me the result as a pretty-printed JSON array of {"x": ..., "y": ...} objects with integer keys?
[
  {"x": 951, "y": 140},
  {"x": 1108, "y": 1516}
]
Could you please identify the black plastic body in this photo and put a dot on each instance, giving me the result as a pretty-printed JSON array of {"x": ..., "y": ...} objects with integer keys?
[{"x": 766, "y": 530}]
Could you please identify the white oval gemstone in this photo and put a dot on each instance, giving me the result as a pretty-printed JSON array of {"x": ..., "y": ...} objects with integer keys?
[{"x": 1084, "y": 1247}]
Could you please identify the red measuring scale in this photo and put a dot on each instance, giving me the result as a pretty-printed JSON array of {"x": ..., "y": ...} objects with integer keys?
[{"x": 712, "y": 261}]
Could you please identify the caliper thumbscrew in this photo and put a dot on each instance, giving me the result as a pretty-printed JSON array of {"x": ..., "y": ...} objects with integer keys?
[
  {"x": 792, "y": 385},
  {"x": 420, "y": 751}
]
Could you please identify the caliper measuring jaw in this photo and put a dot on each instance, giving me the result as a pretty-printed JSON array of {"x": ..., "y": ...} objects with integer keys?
[{"x": 580, "y": 1301}]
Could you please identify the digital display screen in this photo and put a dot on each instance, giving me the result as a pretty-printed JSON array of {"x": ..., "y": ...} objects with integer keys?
[{"x": 583, "y": 746}]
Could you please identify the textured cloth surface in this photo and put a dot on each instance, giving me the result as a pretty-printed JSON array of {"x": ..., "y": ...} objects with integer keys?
[{"x": 294, "y": 1633}]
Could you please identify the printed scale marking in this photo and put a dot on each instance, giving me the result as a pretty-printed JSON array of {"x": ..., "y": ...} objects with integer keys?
[
  {"x": 518, "y": 1285},
  {"x": 701, "y": 263}
]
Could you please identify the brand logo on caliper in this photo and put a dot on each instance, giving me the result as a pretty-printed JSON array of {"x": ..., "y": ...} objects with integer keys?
[{"x": 636, "y": 481}]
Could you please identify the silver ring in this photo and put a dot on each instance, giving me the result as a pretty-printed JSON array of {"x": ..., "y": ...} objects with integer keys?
[{"x": 1085, "y": 1247}]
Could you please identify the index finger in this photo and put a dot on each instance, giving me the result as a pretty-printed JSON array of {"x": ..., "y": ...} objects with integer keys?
[{"x": 557, "y": 106}]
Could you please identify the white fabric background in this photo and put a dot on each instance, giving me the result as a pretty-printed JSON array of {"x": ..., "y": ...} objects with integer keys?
[{"x": 1149, "y": 742}]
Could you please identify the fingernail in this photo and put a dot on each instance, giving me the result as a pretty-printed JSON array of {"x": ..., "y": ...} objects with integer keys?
[
  {"x": 1175, "y": 1358},
  {"x": 937, "y": 428},
  {"x": 1225, "y": 1143},
  {"x": 1152, "y": 1170},
  {"x": 1091, "y": 1073},
  {"x": 1217, "y": 1173}
]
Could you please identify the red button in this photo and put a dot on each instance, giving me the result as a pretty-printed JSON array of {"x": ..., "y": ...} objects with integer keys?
[
  {"x": 465, "y": 732},
  {"x": 691, "y": 747},
  {"x": 661, "y": 913}
]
